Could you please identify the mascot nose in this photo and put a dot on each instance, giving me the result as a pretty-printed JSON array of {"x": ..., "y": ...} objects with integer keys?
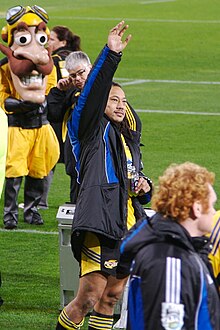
[{"x": 37, "y": 54}]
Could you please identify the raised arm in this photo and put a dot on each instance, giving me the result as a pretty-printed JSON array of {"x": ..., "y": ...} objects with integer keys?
[{"x": 92, "y": 101}]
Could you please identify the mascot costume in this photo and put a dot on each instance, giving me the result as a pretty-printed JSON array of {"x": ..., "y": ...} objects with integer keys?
[
  {"x": 26, "y": 75},
  {"x": 3, "y": 151},
  {"x": 3, "y": 146}
]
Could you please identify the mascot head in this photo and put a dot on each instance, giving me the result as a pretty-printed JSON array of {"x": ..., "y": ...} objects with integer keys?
[
  {"x": 32, "y": 16},
  {"x": 27, "y": 34}
]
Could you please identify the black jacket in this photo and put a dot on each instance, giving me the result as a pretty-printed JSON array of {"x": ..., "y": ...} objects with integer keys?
[
  {"x": 101, "y": 161},
  {"x": 170, "y": 285}
]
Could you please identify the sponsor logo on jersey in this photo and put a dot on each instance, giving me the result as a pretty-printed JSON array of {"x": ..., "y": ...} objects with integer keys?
[
  {"x": 110, "y": 264},
  {"x": 172, "y": 316}
]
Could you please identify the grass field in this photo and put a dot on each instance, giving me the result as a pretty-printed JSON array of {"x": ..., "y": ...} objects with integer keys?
[{"x": 170, "y": 72}]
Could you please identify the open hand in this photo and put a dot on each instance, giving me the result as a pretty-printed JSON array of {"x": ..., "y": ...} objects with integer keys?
[{"x": 115, "y": 42}]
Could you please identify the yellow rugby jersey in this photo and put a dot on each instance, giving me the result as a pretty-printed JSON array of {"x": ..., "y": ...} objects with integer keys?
[
  {"x": 130, "y": 216},
  {"x": 214, "y": 256}
]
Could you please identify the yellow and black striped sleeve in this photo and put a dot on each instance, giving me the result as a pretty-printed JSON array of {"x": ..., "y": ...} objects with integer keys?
[{"x": 214, "y": 256}]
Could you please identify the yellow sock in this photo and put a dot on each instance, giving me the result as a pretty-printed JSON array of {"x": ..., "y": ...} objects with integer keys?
[
  {"x": 100, "y": 321},
  {"x": 66, "y": 323}
]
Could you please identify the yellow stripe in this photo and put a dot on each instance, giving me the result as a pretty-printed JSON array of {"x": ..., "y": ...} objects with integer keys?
[
  {"x": 126, "y": 148},
  {"x": 91, "y": 254},
  {"x": 215, "y": 232},
  {"x": 89, "y": 264},
  {"x": 130, "y": 218},
  {"x": 100, "y": 323},
  {"x": 65, "y": 321},
  {"x": 131, "y": 119},
  {"x": 64, "y": 124},
  {"x": 66, "y": 118},
  {"x": 214, "y": 256}
]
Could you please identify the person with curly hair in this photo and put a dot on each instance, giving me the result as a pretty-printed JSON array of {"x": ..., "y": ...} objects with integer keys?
[{"x": 171, "y": 284}]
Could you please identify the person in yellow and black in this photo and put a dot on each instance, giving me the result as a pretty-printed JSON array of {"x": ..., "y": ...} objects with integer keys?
[
  {"x": 3, "y": 147},
  {"x": 214, "y": 255},
  {"x": 61, "y": 100},
  {"x": 106, "y": 151},
  {"x": 3, "y": 151},
  {"x": 26, "y": 75},
  {"x": 62, "y": 42}
]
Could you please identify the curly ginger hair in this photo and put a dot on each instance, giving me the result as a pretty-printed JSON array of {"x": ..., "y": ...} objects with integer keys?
[{"x": 179, "y": 187}]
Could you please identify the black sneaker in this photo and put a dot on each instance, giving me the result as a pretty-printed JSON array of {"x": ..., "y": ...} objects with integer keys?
[
  {"x": 35, "y": 219},
  {"x": 10, "y": 224}
]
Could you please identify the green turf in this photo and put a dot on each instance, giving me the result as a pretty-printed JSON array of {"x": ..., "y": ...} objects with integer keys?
[{"x": 175, "y": 41}]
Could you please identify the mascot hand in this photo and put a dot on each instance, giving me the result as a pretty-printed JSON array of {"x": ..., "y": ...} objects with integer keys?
[{"x": 17, "y": 106}]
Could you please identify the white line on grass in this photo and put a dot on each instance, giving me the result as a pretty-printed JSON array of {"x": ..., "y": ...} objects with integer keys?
[
  {"x": 180, "y": 112},
  {"x": 129, "y": 19},
  {"x": 155, "y": 1},
  {"x": 143, "y": 81},
  {"x": 30, "y": 231}
]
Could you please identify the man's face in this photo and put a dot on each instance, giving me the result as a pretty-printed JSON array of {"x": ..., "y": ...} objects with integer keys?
[
  {"x": 116, "y": 105},
  {"x": 206, "y": 218},
  {"x": 79, "y": 75}
]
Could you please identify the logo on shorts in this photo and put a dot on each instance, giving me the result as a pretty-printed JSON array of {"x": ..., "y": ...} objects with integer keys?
[
  {"x": 110, "y": 264},
  {"x": 172, "y": 316}
]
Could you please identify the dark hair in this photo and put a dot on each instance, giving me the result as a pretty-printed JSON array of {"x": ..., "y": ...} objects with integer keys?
[
  {"x": 64, "y": 33},
  {"x": 123, "y": 127},
  {"x": 116, "y": 84}
]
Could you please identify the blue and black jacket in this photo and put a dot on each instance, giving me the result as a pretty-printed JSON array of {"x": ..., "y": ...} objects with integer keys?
[
  {"x": 170, "y": 284},
  {"x": 100, "y": 158}
]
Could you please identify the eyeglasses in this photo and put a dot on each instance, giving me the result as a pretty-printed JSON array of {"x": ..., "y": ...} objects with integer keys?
[
  {"x": 78, "y": 73},
  {"x": 14, "y": 13}
]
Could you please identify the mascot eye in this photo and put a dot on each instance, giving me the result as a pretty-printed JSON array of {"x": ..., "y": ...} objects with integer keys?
[
  {"x": 23, "y": 40},
  {"x": 42, "y": 38}
]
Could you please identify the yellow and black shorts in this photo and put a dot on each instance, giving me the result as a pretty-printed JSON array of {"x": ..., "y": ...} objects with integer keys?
[{"x": 99, "y": 253}]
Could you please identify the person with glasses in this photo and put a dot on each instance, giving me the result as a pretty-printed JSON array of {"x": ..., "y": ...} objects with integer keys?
[
  {"x": 26, "y": 75},
  {"x": 60, "y": 100},
  {"x": 62, "y": 42},
  {"x": 106, "y": 151}
]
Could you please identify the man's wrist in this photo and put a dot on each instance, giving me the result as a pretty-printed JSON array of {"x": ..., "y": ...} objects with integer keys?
[{"x": 113, "y": 51}]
